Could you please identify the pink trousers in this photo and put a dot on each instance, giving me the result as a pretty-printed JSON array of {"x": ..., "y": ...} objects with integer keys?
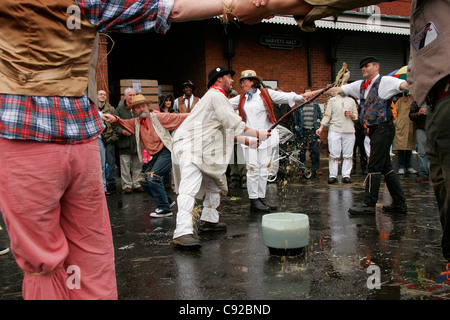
[{"x": 55, "y": 211}]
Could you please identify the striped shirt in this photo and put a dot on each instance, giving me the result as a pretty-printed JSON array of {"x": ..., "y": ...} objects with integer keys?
[{"x": 73, "y": 120}]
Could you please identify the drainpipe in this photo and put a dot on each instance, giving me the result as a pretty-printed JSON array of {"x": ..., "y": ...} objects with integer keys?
[{"x": 308, "y": 53}]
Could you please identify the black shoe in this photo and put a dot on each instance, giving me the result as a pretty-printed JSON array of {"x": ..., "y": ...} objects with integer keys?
[
  {"x": 235, "y": 183},
  {"x": 256, "y": 205},
  {"x": 271, "y": 206},
  {"x": 396, "y": 208},
  {"x": 346, "y": 180},
  {"x": 332, "y": 180},
  {"x": 362, "y": 209}
]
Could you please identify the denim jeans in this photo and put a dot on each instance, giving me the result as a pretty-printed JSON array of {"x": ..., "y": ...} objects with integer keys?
[
  {"x": 404, "y": 159},
  {"x": 110, "y": 149},
  {"x": 157, "y": 169},
  {"x": 303, "y": 138},
  {"x": 422, "y": 150},
  {"x": 101, "y": 146}
]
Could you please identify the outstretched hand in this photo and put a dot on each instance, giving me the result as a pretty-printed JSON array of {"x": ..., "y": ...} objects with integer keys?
[
  {"x": 251, "y": 11},
  {"x": 263, "y": 135},
  {"x": 109, "y": 117}
]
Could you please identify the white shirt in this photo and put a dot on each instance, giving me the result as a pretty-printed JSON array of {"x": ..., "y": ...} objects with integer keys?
[
  {"x": 256, "y": 115},
  {"x": 334, "y": 116},
  {"x": 389, "y": 87}
]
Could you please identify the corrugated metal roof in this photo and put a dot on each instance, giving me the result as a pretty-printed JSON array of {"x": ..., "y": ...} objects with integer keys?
[{"x": 355, "y": 22}]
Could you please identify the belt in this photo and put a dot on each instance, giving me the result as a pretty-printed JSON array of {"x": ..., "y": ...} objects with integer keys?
[{"x": 440, "y": 90}]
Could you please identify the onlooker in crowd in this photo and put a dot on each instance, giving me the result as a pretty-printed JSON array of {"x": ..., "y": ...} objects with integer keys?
[
  {"x": 167, "y": 102},
  {"x": 256, "y": 110},
  {"x": 280, "y": 109},
  {"x": 109, "y": 138},
  {"x": 405, "y": 135},
  {"x": 130, "y": 166},
  {"x": 187, "y": 101},
  {"x": 359, "y": 147},
  {"x": 306, "y": 122},
  {"x": 152, "y": 133},
  {"x": 375, "y": 93},
  {"x": 202, "y": 148},
  {"x": 418, "y": 114},
  {"x": 238, "y": 170},
  {"x": 339, "y": 115}
]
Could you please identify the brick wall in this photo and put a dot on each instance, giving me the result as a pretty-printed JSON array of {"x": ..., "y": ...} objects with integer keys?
[{"x": 396, "y": 8}]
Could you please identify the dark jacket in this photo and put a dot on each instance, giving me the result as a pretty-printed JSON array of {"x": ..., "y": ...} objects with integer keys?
[
  {"x": 109, "y": 135},
  {"x": 126, "y": 144},
  {"x": 419, "y": 120}
]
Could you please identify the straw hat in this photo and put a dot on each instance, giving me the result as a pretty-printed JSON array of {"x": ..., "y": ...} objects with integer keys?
[
  {"x": 137, "y": 100},
  {"x": 250, "y": 74}
]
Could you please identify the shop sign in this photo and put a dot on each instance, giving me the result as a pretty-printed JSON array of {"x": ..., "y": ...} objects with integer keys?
[{"x": 276, "y": 41}]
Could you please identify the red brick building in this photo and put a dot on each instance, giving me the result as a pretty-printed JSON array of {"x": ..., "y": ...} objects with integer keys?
[{"x": 277, "y": 49}]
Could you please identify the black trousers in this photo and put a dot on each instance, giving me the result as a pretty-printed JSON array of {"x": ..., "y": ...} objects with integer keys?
[{"x": 381, "y": 138}]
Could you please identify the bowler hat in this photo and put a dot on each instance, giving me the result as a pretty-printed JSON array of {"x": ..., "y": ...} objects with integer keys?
[
  {"x": 137, "y": 100},
  {"x": 250, "y": 74},
  {"x": 367, "y": 60},
  {"x": 217, "y": 73}
]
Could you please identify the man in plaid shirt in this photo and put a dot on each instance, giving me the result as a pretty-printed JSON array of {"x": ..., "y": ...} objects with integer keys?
[{"x": 51, "y": 193}]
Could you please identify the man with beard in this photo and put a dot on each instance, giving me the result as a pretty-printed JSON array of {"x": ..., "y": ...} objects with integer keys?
[
  {"x": 152, "y": 134},
  {"x": 202, "y": 148}
]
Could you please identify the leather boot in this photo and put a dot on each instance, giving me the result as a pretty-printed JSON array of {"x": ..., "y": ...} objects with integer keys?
[
  {"x": 257, "y": 206},
  {"x": 271, "y": 206}
]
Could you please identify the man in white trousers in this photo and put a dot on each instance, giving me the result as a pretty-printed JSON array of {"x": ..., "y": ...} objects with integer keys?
[
  {"x": 202, "y": 148},
  {"x": 339, "y": 115}
]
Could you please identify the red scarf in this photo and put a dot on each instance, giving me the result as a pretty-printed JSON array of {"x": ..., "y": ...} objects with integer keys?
[
  {"x": 143, "y": 122},
  {"x": 220, "y": 89},
  {"x": 366, "y": 84}
]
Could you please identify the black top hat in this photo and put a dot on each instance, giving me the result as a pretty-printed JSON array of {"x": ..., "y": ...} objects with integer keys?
[
  {"x": 367, "y": 60},
  {"x": 216, "y": 73},
  {"x": 187, "y": 83}
]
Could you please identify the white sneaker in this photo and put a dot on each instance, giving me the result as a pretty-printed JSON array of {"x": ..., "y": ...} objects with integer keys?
[
  {"x": 4, "y": 251},
  {"x": 159, "y": 213},
  {"x": 401, "y": 171},
  {"x": 412, "y": 171}
]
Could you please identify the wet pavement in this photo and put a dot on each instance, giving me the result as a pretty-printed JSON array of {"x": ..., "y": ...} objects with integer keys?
[{"x": 381, "y": 257}]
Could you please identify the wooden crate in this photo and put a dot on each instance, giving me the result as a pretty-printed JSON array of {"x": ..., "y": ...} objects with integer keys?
[
  {"x": 165, "y": 89},
  {"x": 148, "y": 88}
]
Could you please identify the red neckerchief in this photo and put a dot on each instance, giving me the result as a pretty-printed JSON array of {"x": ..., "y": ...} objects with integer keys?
[
  {"x": 366, "y": 84},
  {"x": 143, "y": 122},
  {"x": 220, "y": 89}
]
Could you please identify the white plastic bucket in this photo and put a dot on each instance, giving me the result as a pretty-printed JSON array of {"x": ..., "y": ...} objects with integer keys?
[{"x": 285, "y": 230}]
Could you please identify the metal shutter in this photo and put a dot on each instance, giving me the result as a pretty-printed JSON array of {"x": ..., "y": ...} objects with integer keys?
[{"x": 391, "y": 50}]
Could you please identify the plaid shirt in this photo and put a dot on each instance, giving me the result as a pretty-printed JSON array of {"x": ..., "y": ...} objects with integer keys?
[{"x": 75, "y": 120}]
